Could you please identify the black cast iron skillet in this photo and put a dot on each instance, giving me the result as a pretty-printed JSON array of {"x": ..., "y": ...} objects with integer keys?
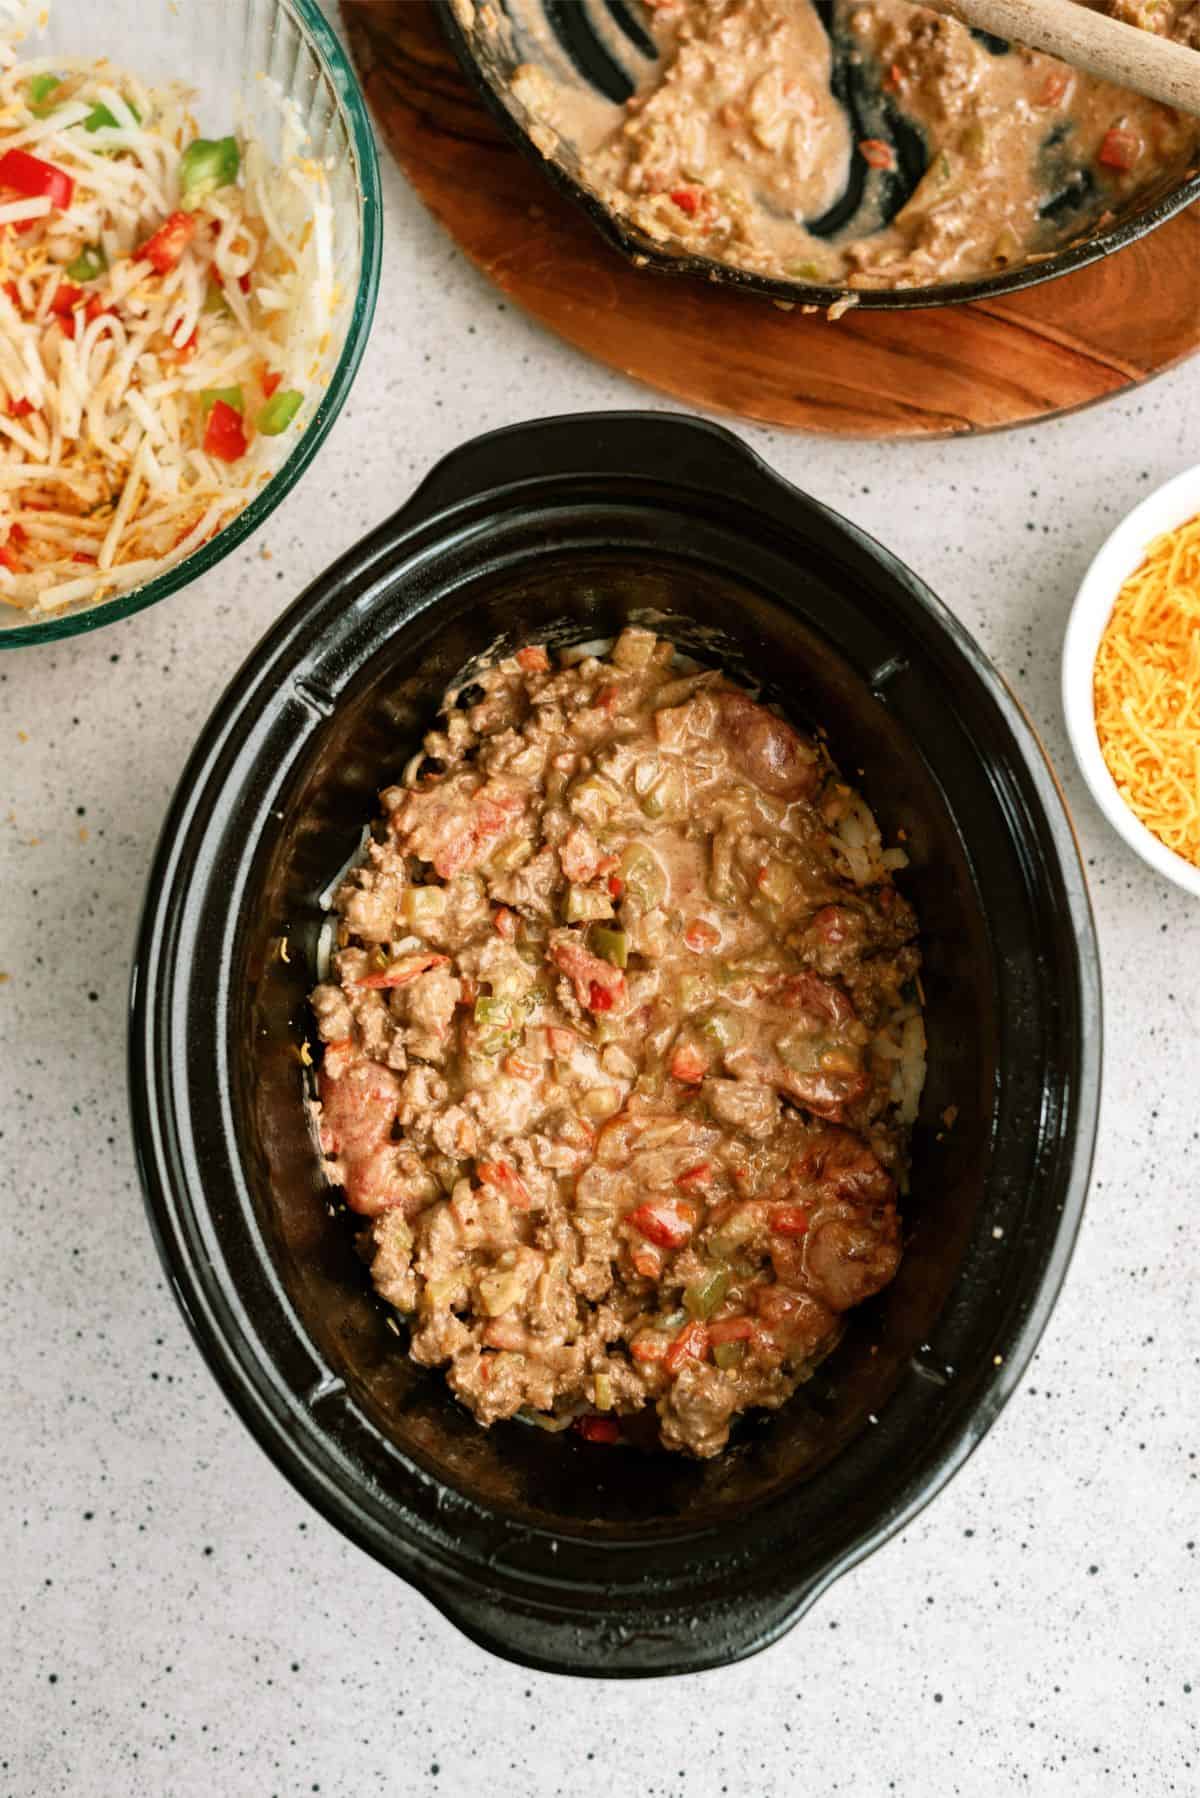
[
  {"x": 549, "y": 1550},
  {"x": 591, "y": 46}
]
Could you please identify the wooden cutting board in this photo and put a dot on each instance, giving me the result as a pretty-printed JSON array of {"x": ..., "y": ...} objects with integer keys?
[{"x": 938, "y": 372}]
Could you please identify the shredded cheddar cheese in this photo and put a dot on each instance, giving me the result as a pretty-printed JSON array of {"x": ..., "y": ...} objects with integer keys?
[{"x": 1147, "y": 691}]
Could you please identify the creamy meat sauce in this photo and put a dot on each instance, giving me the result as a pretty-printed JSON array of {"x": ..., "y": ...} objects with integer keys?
[
  {"x": 622, "y": 1044},
  {"x": 736, "y": 143}
]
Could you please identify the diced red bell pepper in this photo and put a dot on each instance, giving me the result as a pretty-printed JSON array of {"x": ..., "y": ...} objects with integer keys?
[
  {"x": 270, "y": 382},
  {"x": 167, "y": 245},
  {"x": 20, "y": 408},
  {"x": 225, "y": 438},
  {"x": 13, "y": 292},
  {"x": 789, "y": 1220},
  {"x": 533, "y": 659},
  {"x": 695, "y": 1179},
  {"x": 597, "y": 1429},
  {"x": 30, "y": 176},
  {"x": 507, "y": 1181},
  {"x": 700, "y": 935},
  {"x": 649, "y": 1347},
  {"x": 409, "y": 967},
  {"x": 690, "y": 1344},
  {"x": 66, "y": 298},
  {"x": 687, "y": 200},
  {"x": 604, "y": 1430},
  {"x": 876, "y": 154},
  {"x": 616, "y": 885},
  {"x": 688, "y": 1064},
  {"x": 18, "y": 537},
  {"x": 598, "y": 985},
  {"x": 665, "y": 1222},
  {"x": 1120, "y": 149},
  {"x": 647, "y": 1262},
  {"x": 606, "y": 699}
]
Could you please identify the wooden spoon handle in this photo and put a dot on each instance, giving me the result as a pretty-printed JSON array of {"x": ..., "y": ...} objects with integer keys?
[{"x": 1150, "y": 65}]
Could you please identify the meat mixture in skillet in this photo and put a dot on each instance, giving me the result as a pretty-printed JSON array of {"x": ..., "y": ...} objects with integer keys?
[
  {"x": 738, "y": 141},
  {"x": 622, "y": 1042}
]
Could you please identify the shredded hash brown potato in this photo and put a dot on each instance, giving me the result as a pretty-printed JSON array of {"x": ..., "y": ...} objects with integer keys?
[
  {"x": 1147, "y": 691},
  {"x": 162, "y": 334}
]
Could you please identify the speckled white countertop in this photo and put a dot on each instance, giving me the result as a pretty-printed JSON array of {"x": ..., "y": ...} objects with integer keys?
[{"x": 175, "y": 1622}]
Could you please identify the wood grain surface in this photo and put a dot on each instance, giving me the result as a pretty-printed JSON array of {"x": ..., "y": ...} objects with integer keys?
[{"x": 936, "y": 372}]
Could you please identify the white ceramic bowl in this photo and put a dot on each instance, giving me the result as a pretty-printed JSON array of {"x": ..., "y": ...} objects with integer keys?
[{"x": 1116, "y": 560}]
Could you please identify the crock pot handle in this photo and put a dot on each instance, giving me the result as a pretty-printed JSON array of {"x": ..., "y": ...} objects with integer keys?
[
  {"x": 641, "y": 1641},
  {"x": 599, "y": 446}
]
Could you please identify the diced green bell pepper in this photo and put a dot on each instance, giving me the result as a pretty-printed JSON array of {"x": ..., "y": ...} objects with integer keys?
[
  {"x": 279, "y": 412},
  {"x": 232, "y": 396},
  {"x": 644, "y": 876},
  {"x": 206, "y": 165},
  {"x": 494, "y": 1014},
  {"x": 702, "y": 1298},
  {"x": 103, "y": 118},
  {"x": 40, "y": 89},
  {"x": 724, "y": 1028},
  {"x": 89, "y": 265},
  {"x": 583, "y": 906},
  {"x": 612, "y": 944}
]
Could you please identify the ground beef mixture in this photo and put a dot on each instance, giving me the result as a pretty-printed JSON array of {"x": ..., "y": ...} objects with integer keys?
[
  {"x": 622, "y": 1042},
  {"x": 744, "y": 140}
]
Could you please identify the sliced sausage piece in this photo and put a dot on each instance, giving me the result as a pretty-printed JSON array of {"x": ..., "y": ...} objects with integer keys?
[
  {"x": 848, "y": 1258},
  {"x": 358, "y": 1110},
  {"x": 767, "y": 750},
  {"x": 846, "y": 1168},
  {"x": 798, "y": 1323},
  {"x": 825, "y": 1095},
  {"x": 820, "y": 998},
  {"x": 749, "y": 1106}
]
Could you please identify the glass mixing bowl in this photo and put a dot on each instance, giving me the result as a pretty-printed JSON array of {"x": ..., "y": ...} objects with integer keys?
[{"x": 222, "y": 48}]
